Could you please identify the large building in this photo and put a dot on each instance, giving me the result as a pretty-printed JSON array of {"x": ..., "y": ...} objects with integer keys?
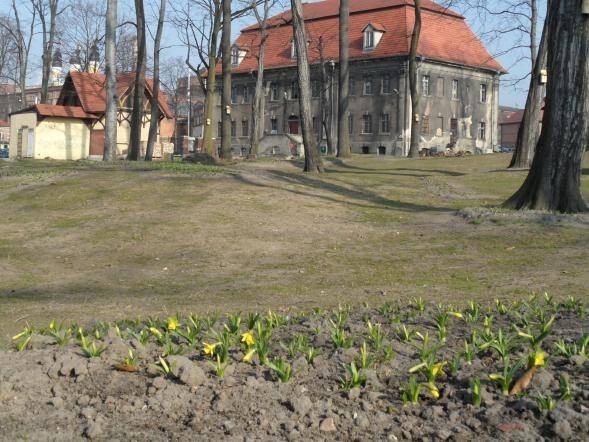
[{"x": 458, "y": 79}]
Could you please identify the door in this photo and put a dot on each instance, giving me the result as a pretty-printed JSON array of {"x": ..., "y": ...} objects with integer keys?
[
  {"x": 293, "y": 125},
  {"x": 97, "y": 142},
  {"x": 30, "y": 143}
]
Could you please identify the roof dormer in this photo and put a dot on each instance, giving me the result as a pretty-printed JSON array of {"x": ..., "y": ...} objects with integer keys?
[
  {"x": 372, "y": 34},
  {"x": 237, "y": 55}
]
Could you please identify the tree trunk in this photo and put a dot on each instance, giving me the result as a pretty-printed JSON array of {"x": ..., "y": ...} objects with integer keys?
[
  {"x": 414, "y": 146},
  {"x": 209, "y": 147},
  {"x": 48, "y": 42},
  {"x": 313, "y": 162},
  {"x": 137, "y": 113},
  {"x": 155, "y": 106},
  {"x": 529, "y": 129},
  {"x": 226, "y": 78},
  {"x": 344, "y": 149},
  {"x": 258, "y": 99},
  {"x": 554, "y": 180},
  {"x": 24, "y": 48},
  {"x": 110, "y": 132}
]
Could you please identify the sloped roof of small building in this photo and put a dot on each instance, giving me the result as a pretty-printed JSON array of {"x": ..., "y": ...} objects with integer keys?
[
  {"x": 54, "y": 110},
  {"x": 91, "y": 91},
  {"x": 445, "y": 36}
]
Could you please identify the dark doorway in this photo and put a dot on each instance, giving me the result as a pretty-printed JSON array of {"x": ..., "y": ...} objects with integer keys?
[
  {"x": 365, "y": 149},
  {"x": 293, "y": 124},
  {"x": 97, "y": 142},
  {"x": 382, "y": 150}
]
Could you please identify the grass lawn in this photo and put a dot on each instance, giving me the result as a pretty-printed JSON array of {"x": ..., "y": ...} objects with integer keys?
[{"x": 86, "y": 241}]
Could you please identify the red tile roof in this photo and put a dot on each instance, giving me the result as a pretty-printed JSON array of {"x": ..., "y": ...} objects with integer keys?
[
  {"x": 4, "y": 123},
  {"x": 53, "y": 110},
  {"x": 445, "y": 35},
  {"x": 91, "y": 91}
]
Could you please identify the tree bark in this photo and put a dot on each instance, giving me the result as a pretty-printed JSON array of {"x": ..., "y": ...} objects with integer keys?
[
  {"x": 554, "y": 180},
  {"x": 110, "y": 132},
  {"x": 344, "y": 149},
  {"x": 529, "y": 129},
  {"x": 155, "y": 106},
  {"x": 414, "y": 146},
  {"x": 48, "y": 42},
  {"x": 313, "y": 162},
  {"x": 24, "y": 47},
  {"x": 226, "y": 78},
  {"x": 137, "y": 113},
  {"x": 256, "y": 131}
]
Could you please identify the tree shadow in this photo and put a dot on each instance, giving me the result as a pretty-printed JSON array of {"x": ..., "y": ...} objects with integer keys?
[{"x": 359, "y": 197}]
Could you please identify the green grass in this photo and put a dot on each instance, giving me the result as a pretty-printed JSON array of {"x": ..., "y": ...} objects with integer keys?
[{"x": 89, "y": 240}]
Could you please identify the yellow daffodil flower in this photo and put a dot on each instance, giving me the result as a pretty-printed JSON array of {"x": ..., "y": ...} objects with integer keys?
[
  {"x": 173, "y": 324},
  {"x": 539, "y": 359},
  {"x": 457, "y": 315},
  {"x": 156, "y": 332},
  {"x": 209, "y": 349},
  {"x": 249, "y": 355},
  {"x": 248, "y": 338},
  {"x": 437, "y": 369},
  {"x": 432, "y": 389}
]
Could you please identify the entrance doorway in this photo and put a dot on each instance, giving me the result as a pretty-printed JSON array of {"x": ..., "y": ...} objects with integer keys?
[
  {"x": 382, "y": 150},
  {"x": 293, "y": 124}
]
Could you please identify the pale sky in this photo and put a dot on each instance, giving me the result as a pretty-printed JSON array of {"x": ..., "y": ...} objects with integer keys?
[{"x": 515, "y": 61}]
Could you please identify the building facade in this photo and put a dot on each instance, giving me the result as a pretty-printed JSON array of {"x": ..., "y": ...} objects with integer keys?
[{"x": 458, "y": 80}]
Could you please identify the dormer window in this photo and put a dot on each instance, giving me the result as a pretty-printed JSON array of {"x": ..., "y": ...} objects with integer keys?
[
  {"x": 372, "y": 34},
  {"x": 237, "y": 56}
]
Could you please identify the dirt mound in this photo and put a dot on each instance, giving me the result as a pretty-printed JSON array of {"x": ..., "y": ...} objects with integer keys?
[{"x": 354, "y": 375}]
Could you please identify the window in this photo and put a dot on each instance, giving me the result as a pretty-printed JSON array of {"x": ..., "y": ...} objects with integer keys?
[
  {"x": 367, "y": 124},
  {"x": 233, "y": 94},
  {"x": 368, "y": 39},
  {"x": 386, "y": 85},
  {"x": 483, "y": 93},
  {"x": 316, "y": 126},
  {"x": 315, "y": 89},
  {"x": 352, "y": 87},
  {"x": 385, "y": 123},
  {"x": 425, "y": 85},
  {"x": 233, "y": 129},
  {"x": 440, "y": 87},
  {"x": 234, "y": 56},
  {"x": 294, "y": 90},
  {"x": 425, "y": 125},
  {"x": 481, "y": 134},
  {"x": 454, "y": 127},
  {"x": 350, "y": 124},
  {"x": 245, "y": 127},
  {"x": 368, "y": 86},
  {"x": 219, "y": 129},
  {"x": 246, "y": 94},
  {"x": 273, "y": 91},
  {"x": 273, "y": 125},
  {"x": 454, "y": 89}
]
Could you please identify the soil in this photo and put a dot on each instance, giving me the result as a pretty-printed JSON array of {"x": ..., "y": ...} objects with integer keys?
[{"x": 50, "y": 392}]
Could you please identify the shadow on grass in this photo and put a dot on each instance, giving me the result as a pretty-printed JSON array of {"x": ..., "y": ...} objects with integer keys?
[
  {"x": 389, "y": 171},
  {"x": 338, "y": 194}
]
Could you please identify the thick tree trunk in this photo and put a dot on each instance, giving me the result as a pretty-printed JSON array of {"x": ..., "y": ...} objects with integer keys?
[
  {"x": 554, "y": 180},
  {"x": 155, "y": 107},
  {"x": 137, "y": 113},
  {"x": 529, "y": 129},
  {"x": 226, "y": 76},
  {"x": 209, "y": 147},
  {"x": 313, "y": 162},
  {"x": 344, "y": 149},
  {"x": 48, "y": 43},
  {"x": 414, "y": 146},
  {"x": 110, "y": 129}
]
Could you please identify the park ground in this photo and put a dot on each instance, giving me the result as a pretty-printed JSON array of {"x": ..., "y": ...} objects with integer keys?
[{"x": 83, "y": 241}]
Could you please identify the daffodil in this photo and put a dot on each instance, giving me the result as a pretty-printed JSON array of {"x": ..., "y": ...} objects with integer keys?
[
  {"x": 173, "y": 324},
  {"x": 249, "y": 355},
  {"x": 209, "y": 349},
  {"x": 156, "y": 332},
  {"x": 538, "y": 359},
  {"x": 248, "y": 338},
  {"x": 437, "y": 369},
  {"x": 457, "y": 315},
  {"x": 432, "y": 389}
]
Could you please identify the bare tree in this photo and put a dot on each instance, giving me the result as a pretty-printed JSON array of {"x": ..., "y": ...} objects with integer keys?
[
  {"x": 8, "y": 50},
  {"x": 226, "y": 122},
  {"x": 110, "y": 133},
  {"x": 554, "y": 180},
  {"x": 343, "y": 131},
  {"x": 81, "y": 27},
  {"x": 155, "y": 110},
  {"x": 313, "y": 162},
  {"x": 139, "y": 85},
  {"x": 48, "y": 11},
  {"x": 414, "y": 146}
]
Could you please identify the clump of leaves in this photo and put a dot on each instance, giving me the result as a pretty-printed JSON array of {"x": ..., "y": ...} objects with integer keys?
[
  {"x": 375, "y": 335},
  {"x": 476, "y": 392},
  {"x": 339, "y": 337},
  {"x": 61, "y": 335},
  {"x": 281, "y": 369},
  {"x": 411, "y": 391},
  {"x": 354, "y": 378},
  {"x": 21, "y": 341}
]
